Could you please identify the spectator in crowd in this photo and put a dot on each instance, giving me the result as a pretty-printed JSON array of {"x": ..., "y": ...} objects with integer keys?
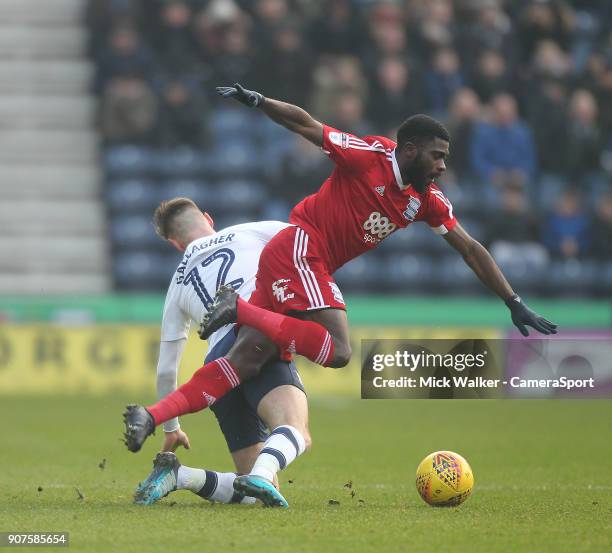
[
  {"x": 387, "y": 37},
  {"x": 332, "y": 76},
  {"x": 566, "y": 231},
  {"x": 584, "y": 140},
  {"x": 490, "y": 28},
  {"x": 443, "y": 79},
  {"x": 349, "y": 114},
  {"x": 547, "y": 115},
  {"x": 338, "y": 29},
  {"x": 545, "y": 20},
  {"x": 602, "y": 228},
  {"x": 235, "y": 59},
  {"x": 598, "y": 79},
  {"x": 182, "y": 116},
  {"x": 513, "y": 230},
  {"x": 174, "y": 40},
  {"x": 289, "y": 75},
  {"x": 268, "y": 16},
  {"x": 125, "y": 54},
  {"x": 129, "y": 111},
  {"x": 435, "y": 27},
  {"x": 101, "y": 16},
  {"x": 491, "y": 76},
  {"x": 464, "y": 114},
  {"x": 397, "y": 93},
  {"x": 504, "y": 145},
  {"x": 550, "y": 61},
  {"x": 303, "y": 166},
  {"x": 210, "y": 26}
]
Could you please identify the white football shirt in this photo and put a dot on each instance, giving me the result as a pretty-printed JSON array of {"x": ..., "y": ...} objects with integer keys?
[{"x": 230, "y": 256}]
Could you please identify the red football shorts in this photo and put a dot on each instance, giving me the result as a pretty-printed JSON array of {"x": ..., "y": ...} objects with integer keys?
[{"x": 292, "y": 276}]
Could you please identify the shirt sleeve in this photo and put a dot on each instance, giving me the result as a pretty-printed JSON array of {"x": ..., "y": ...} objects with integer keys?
[
  {"x": 175, "y": 322},
  {"x": 167, "y": 374},
  {"x": 349, "y": 151},
  {"x": 439, "y": 214}
]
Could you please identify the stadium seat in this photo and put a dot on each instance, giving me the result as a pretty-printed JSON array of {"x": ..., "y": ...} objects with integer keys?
[
  {"x": 267, "y": 131},
  {"x": 129, "y": 161},
  {"x": 407, "y": 272},
  {"x": 131, "y": 195},
  {"x": 360, "y": 274},
  {"x": 428, "y": 241},
  {"x": 571, "y": 277},
  {"x": 604, "y": 283},
  {"x": 182, "y": 161},
  {"x": 227, "y": 123},
  {"x": 196, "y": 189},
  {"x": 239, "y": 195},
  {"x": 523, "y": 273},
  {"x": 401, "y": 241},
  {"x": 237, "y": 158},
  {"x": 142, "y": 270},
  {"x": 418, "y": 237},
  {"x": 451, "y": 275},
  {"x": 133, "y": 231},
  {"x": 474, "y": 228},
  {"x": 276, "y": 209}
]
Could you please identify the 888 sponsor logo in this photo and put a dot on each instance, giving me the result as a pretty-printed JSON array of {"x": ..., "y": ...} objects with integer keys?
[{"x": 378, "y": 227}]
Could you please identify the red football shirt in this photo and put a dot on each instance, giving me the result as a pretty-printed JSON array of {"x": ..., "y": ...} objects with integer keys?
[{"x": 364, "y": 200}]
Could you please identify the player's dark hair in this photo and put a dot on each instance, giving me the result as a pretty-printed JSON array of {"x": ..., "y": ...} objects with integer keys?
[
  {"x": 167, "y": 212},
  {"x": 421, "y": 128}
]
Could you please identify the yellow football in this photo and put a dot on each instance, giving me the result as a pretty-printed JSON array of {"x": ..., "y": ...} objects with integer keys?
[{"x": 444, "y": 479}]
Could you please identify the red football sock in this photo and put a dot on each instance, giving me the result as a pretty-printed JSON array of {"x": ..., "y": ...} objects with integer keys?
[
  {"x": 291, "y": 335},
  {"x": 207, "y": 384}
]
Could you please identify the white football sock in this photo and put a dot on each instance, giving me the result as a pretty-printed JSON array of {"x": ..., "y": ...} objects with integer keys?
[
  {"x": 214, "y": 486},
  {"x": 283, "y": 446}
]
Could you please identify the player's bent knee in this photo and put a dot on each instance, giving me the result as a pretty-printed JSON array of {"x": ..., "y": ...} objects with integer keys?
[{"x": 342, "y": 356}]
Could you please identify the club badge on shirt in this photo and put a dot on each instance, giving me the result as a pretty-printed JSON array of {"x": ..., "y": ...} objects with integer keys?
[
  {"x": 412, "y": 208},
  {"x": 339, "y": 139}
]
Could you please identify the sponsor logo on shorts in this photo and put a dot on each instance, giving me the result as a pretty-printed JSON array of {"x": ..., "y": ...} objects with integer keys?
[
  {"x": 380, "y": 190},
  {"x": 279, "y": 290},
  {"x": 209, "y": 399},
  {"x": 336, "y": 292}
]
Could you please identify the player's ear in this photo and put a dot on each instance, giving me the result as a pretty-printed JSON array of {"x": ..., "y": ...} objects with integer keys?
[
  {"x": 209, "y": 219},
  {"x": 409, "y": 150}
]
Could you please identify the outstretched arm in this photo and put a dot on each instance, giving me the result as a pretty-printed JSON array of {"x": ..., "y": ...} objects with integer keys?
[
  {"x": 289, "y": 116},
  {"x": 482, "y": 263}
]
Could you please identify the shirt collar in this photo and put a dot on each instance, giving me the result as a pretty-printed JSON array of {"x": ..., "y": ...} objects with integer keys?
[{"x": 396, "y": 172}]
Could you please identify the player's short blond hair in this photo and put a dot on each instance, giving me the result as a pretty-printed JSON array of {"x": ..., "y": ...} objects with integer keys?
[{"x": 167, "y": 213}]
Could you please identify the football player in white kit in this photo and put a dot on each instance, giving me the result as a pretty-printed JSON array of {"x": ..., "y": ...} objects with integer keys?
[{"x": 274, "y": 399}]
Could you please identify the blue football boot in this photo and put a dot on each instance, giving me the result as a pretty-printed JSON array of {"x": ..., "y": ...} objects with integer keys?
[
  {"x": 260, "y": 488},
  {"x": 160, "y": 482}
]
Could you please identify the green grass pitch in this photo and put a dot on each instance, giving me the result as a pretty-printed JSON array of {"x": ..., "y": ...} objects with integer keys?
[{"x": 543, "y": 475}]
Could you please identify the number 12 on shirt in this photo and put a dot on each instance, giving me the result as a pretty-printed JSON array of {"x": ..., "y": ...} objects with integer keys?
[{"x": 226, "y": 257}]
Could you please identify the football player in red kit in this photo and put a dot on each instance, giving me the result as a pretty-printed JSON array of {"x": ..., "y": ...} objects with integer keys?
[{"x": 377, "y": 187}]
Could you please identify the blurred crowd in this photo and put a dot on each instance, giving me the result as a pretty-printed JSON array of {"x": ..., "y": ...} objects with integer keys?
[{"x": 524, "y": 86}]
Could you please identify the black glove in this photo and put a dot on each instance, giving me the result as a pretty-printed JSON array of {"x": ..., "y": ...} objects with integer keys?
[
  {"x": 522, "y": 317},
  {"x": 247, "y": 97}
]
